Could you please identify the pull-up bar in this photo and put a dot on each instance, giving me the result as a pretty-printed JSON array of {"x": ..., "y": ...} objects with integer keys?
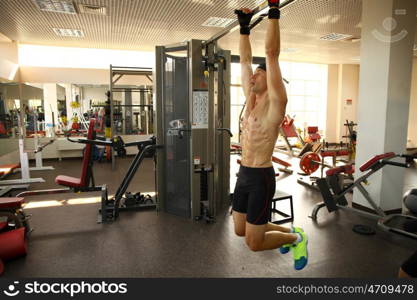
[{"x": 259, "y": 13}]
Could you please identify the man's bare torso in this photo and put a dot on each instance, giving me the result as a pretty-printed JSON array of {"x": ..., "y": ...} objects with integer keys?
[{"x": 259, "y": 135}]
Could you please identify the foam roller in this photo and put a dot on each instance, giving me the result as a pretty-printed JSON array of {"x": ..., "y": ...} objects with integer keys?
[{"x": 13, "y": 244}]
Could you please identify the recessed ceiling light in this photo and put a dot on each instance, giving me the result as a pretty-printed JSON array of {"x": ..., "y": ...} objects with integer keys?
[
  {"x": 400, "y": 12},
  {"x": 352, "y": 40},
  {"x": 356, "y": 58},
  {"x": 58, "y": 6},
  {"x": 69, "y": 32},
  {"x": 335, "y": 37},
  {"x": 217, "y": 22},
  {"x": 92, "y": 9}
]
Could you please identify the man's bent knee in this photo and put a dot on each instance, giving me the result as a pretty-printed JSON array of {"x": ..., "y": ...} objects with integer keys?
[
  {"x": 240, "y": 223},
  {"x": 240, "y": 232},
  {"x": 254, "y": 243},
  {"x": 255, "y": 236}
]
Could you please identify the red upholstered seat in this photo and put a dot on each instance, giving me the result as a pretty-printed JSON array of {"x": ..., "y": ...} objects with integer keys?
[
  {"x": 313, "y": 133},
  {"x": 281, "y": 162},
  {"x": 314, "y": 136},
  {"x": 11, "y": 202},
  {"x": 324, "y": 153},
  {"x": 236, "y": 146},
  {"x": 327, "y": 153},
  {"x": 74, "y": 182},
  {"x": 288, "y": 128},
  {"x": 343, "y": 152},
  {"x": 289, "y": 131},
  {"x": 68, "y": 181},
  {"x": 13, "y": 244},
  {"x": 370, "y": 163},
  {"x": 348, "y": 169}
]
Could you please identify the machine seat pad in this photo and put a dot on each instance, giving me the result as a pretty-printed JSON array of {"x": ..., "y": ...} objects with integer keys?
[
  {"x": 68, "y": 181},
  {"x": 281, "y": 162},
  {"x": 370, "y": 163},
  {"x": 11, "y": 202},
  {"x": 343, "y": 152},
  {"x": 236, "y": 146},
  {"x": 348, "y": 169},
  {"x": 314, "y": 136},
  {"x": 324, "y": 153}
]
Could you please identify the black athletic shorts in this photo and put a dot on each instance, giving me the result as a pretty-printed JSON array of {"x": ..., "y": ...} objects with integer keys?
[
  {"x": 254, "y": 191},
  {"x": 410, "y": 265}
]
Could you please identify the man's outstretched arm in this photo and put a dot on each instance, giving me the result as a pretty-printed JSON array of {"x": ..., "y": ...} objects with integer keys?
[
  {"x": 245, "y": 51},
  {"x": 276, "y": 89}
]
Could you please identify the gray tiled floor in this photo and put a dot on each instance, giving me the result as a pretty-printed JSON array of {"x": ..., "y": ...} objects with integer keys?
[{"x": 67, "y": 242}]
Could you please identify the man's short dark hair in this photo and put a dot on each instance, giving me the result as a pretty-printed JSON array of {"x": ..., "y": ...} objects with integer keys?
[{"x": 262, "y": 66}]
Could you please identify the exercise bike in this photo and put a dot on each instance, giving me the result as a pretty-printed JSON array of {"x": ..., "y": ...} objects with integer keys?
[{"x": 334, "y": 195}]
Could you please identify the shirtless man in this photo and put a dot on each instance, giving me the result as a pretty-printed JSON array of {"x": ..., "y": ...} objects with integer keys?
[{"x": 266, "y": 100}]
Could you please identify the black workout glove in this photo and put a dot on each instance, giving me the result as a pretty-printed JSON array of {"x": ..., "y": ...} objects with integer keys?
[
  {"x": 244, "y": 21},
  {"x": 274, "y": 12}
]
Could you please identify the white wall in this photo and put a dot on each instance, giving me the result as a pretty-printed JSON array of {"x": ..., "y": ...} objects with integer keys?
[
  {"x": 60, "y": 92},
  {"x": 50, "y": 104},
  {"x": 98, "y": 94},
  {"x": 348, "y": 90},
  {"x": 9, "y": 61},
  {"x": 343, "y": 84},
  {"x": 412, "y": 120},
  {"x": 332, "y": 103},
  {"x": 94, "y": 93}
]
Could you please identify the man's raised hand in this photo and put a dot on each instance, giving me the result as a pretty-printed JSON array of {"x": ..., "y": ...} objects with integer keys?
[
  {"x": 244, "y": 17},
  {"x": 274, "y": 12}
]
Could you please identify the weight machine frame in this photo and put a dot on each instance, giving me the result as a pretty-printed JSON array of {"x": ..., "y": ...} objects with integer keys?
[{"x": 334, "y": 196}]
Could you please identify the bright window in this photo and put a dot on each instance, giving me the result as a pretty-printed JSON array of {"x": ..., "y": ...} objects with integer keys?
[
  {"x": 34, "y": 103},
  {"x": 16, "y": 104},
  {"x": 307, "y": 95}
]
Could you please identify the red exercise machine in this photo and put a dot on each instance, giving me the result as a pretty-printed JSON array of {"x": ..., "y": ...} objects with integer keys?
[
  {"x": 14, "y": 228},
  {"x": 288, "y": 131},
  {"x": 334, "y": 195}
]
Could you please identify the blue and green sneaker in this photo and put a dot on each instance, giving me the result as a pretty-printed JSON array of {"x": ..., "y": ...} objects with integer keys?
[
  {"x": 286, "y": 248},
  {"x": 299, "y": 252}
]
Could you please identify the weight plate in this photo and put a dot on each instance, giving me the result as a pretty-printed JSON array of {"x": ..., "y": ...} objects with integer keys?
[
  {"x": 363, "y": 229},
  {"x": 310, "y": 162}
]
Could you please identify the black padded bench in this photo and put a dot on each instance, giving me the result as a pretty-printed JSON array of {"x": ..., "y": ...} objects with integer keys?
[{"x": 280, "y": 196}]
